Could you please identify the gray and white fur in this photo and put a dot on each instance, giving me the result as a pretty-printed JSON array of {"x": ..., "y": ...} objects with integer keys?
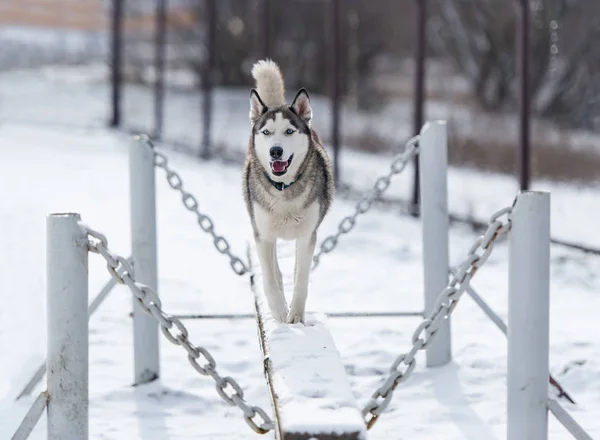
[{"x": 288, "y": 185}]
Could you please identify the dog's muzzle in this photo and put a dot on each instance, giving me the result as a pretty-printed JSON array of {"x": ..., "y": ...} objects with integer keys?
[{"x": 280, "y": 167}]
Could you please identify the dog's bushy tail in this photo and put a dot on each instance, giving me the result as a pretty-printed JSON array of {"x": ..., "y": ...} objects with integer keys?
[{"x": 269, "y": 82}]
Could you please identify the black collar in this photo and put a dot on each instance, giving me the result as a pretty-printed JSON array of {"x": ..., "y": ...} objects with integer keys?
[{"x": 280, "y": 186}]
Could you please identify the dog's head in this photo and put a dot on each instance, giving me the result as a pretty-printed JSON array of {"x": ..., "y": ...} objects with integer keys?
[{"x": 281, "y": 135}]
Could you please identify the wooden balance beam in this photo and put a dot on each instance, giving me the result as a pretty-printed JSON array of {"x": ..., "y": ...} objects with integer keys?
[{"x": 310, "y": 392}]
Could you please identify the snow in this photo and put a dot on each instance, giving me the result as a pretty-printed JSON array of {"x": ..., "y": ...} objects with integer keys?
[
  {"x": 305, "y": 370},
  {"x": 55, "y": 156}
]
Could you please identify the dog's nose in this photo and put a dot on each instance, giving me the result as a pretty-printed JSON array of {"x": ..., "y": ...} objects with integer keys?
[{"x": 276, "y": 152}]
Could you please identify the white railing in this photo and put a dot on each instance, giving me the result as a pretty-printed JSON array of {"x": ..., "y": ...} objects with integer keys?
[
  {"x": 528, "y": 402},
  {"x": 433, "y": 182},
  {"x": 142, "y": 189},
  {"x": 66, "y": 397},
  {"x": 528, "y": 317},
  {"x": 67, "y": 327},
  {"x": 527, "y": 225}
]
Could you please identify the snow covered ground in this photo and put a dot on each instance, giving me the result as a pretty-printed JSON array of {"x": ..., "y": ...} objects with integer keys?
[{"x": 377, "y": 267}]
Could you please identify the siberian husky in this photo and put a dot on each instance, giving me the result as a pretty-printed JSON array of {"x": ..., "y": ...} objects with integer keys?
[{"x": 288, "y": 185}]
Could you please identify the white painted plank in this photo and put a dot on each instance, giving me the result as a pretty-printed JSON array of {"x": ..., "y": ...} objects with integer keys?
[{"x": 310, "y": 391}]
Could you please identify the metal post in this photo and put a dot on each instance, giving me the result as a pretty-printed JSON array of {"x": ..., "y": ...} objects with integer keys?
[
  {"x": 433, "y": 158},
  {"x": 116, "y": 52},
  {"x": 528, "y": 320},
  {"x": 419, "y": 96},
  {"x": 208, "y": 77},
  {"x": 143, "y": 247},
  {"x": 335, "y": 87},
  {"x": 265, "y": 20},
  {"x": 39, "y": 373},
  {"x": 67, "y": 303},
  {"x": 159, "y": 66},
  {"x": 524, "y": 155}
]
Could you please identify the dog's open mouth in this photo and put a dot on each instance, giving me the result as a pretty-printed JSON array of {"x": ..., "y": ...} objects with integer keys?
[{"x": 280, "y": 167}]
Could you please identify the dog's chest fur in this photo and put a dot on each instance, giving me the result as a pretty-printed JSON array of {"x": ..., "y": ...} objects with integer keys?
[{"x": 285, "y": 218}]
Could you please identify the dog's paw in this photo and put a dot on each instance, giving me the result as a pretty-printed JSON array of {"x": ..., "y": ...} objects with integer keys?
[
  {"x": 279, "y": 315},
  {"x": 295, "y": 318}
]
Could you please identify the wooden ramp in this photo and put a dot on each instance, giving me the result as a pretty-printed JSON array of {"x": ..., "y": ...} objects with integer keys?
[{"x": 310, "y": 392}]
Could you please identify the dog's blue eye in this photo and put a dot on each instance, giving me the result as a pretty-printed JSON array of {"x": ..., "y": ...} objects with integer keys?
[
  {"x": 289, "y": 131},
  {"x": 266, "y": 132}
]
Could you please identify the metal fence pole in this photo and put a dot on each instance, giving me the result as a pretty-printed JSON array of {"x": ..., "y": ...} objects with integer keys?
[
  {"x": 67, "y": 303},
  {"x": 116, "y": 57},
  {"x": 528, "y": 320},
  {"x": 419, "y": 96},
  {"x": 159, "y": 67},
  {"x": 143, "y": 247},
  {"x": 335, "y": 86},
  {"x": 524, "y": 155},
  {"x": 433, "y": 158},
  {"x": 208, "y": 77}
]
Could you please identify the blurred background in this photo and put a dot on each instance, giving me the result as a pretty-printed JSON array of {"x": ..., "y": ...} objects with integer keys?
[
  {"x": 375, "y": 69},
  {"x": 517, "y": 80}
]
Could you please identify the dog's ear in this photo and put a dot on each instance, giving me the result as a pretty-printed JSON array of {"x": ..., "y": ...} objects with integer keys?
[
  {"x": 257, "y": 106},
  {"x": 301, "y": 106}
]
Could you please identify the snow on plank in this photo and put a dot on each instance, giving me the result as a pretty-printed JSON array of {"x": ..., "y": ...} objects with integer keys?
[{"x": 309, "y": 389}]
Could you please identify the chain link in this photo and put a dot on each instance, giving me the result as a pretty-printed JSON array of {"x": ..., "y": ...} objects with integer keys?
[
  {"x": 381, "y": 185},
  {"x": 191, "y": 204},
  {"x": 404, "y": 364},
  {"x": 176, "y": 332}
]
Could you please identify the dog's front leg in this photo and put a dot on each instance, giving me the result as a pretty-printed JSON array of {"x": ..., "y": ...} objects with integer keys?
[
  {"x": 305, "y": 248},
  {"x": 278, "y": 274},
  {"x": 271, "y": 283}
]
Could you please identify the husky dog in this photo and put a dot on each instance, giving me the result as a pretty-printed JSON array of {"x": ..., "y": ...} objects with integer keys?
[{"x": 288, "y": 185}]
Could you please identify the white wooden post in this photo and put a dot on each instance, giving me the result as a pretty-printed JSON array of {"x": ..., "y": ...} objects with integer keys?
[
  {"x": 528, "y": 317},
  {"x": 143, "y": 248},
  {"x": 67, "y": 321},
  {"x": 433, "y": 165}
]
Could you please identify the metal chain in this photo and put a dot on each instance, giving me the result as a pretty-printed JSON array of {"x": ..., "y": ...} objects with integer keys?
[
  {"x": 149, "y": 301},
  {"x": 381, "y": 185},
  {"x": 191, "y": 204},
  {"x": 404, "y": 364}
]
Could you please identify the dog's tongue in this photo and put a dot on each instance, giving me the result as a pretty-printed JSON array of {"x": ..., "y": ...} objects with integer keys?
[{"x": 279, "y": 166}]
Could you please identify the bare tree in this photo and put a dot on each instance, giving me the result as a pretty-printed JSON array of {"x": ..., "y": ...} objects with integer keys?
[{"x": 478, "y": 36}]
